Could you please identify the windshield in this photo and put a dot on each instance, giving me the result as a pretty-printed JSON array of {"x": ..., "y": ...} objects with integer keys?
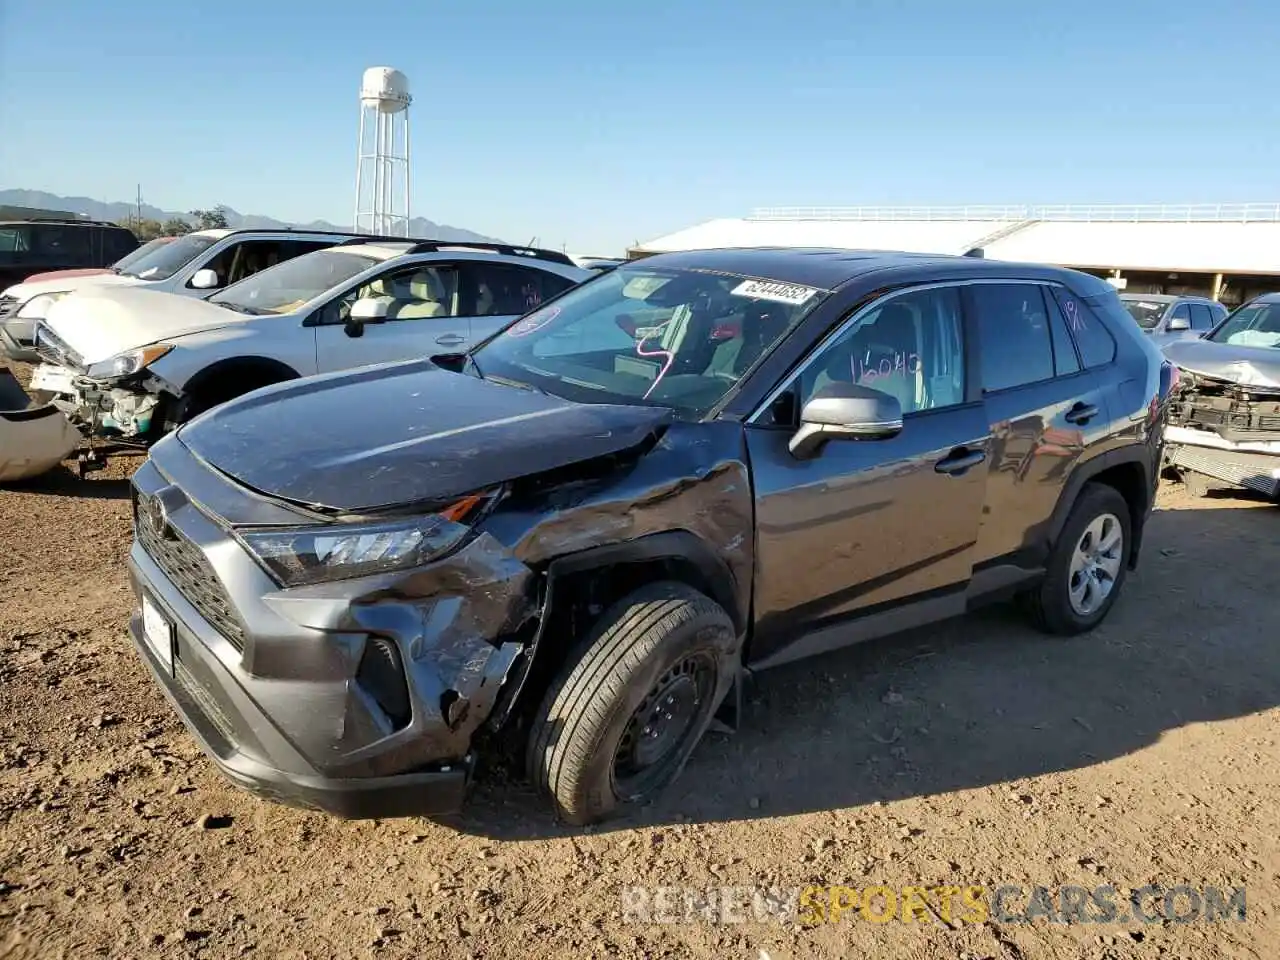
[
  {"x": 1253, "y": 325},
  {"x": 166, "y": 260},
  {"x": 1146, "y": 312},
  {"x": 148, "y": 248},
  {"x": 287, "y": 286},
  {"x": 672, "y": 338}
]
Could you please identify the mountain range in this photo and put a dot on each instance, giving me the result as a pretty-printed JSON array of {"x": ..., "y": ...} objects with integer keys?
[{"x": 120, "y": 211}]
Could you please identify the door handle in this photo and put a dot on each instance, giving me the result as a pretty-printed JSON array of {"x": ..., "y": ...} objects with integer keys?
[
  {"x": 959, "y": 460},
  {"x": 1081, "y": 413},
  {"x": 450, "y": 339}
]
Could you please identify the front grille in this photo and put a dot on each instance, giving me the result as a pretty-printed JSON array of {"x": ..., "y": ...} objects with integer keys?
[
  {"x": 1231, "y": 419},
  {"x": 8, "y": 307},
  {"x": 186, "y": 567}
]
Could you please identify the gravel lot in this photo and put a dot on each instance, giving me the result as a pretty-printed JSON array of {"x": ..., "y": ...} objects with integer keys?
[{"x": 977, "y": 752}]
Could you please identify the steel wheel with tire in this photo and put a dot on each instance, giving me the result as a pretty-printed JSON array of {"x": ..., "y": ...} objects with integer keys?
[
  {"x": 1087, "y": 566},
  {"x": 622, "y": 719}
]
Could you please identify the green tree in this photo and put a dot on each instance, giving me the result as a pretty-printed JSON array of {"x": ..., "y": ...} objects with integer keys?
[
  {"x": 214, "y": 219},
  {"x": 176, "y": 227},
  {"x": 144, "y": 229}
]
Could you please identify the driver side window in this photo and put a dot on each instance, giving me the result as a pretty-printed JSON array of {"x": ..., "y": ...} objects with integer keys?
[
  {"x": 910, "y": 347},
  {"x": 422, "y": 291}
]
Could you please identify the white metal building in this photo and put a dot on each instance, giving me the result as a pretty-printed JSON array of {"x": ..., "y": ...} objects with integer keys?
[{"x": 1228, "y": 251}]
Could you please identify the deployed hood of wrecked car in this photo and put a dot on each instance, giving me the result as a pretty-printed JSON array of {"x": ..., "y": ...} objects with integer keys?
[
  {"x": 401, "y": 433},
  {"x": 1247, "y": 366},
  {"x": 64, "y": 281},
  {"x": 100, "y": 323}
]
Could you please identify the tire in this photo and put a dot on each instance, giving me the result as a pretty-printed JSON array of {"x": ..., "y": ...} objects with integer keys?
[
  {"x": 590, "y": 738},
  {"x": 1099, "y": 510}
]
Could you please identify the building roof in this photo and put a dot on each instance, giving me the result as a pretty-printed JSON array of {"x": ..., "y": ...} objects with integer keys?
[{"x": 1232, "y": 239}]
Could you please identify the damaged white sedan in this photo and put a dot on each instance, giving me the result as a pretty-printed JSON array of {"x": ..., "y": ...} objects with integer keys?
[
  {"x": 130, "y": 365},
  {"x": 1224, "y": 421}
]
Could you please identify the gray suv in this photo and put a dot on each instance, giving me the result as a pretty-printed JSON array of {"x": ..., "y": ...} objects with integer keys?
[
  {"x": 577, "y": 539},
  {"x": 1166, "y": 317}
]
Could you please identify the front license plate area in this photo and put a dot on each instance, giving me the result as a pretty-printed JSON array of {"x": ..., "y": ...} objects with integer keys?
[{"x": 157, "y": 631}]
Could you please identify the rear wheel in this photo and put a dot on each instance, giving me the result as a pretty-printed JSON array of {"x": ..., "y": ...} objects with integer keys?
[
  {"x": 1087, "y": 566},
  {"x": 624, "y": 716}
]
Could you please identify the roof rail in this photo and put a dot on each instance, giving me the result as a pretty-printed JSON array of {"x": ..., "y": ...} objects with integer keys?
[
  {"x": 76, "y": 220},
  {"x": 552, "y": 256}
]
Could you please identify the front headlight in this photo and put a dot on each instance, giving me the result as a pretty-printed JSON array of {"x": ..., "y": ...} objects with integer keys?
[
  {"x": 303, "y": 555},
  {"x": 126, "y": 364},
  {"x": 37, "y": 308}
]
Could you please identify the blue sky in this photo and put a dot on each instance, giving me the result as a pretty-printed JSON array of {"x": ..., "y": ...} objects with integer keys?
[{"x": 598, "y": 124}]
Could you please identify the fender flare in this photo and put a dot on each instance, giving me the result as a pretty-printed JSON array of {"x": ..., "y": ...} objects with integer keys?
[
  {"x": 1087, "y": 471},
  {"x": 266, "y": 365},
  {"x": 668, "y": 545}
]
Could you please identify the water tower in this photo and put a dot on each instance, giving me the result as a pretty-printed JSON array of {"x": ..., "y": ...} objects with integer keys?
[{"x": 382, "y": 163}]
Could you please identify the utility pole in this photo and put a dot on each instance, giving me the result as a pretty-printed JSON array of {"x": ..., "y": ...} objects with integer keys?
[{"x": 139, "y": 220}]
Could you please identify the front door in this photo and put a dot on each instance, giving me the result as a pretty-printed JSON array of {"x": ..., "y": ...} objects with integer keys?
[
  {"x": 867, "y": 527},
  {"x": 424, "y": 316}
]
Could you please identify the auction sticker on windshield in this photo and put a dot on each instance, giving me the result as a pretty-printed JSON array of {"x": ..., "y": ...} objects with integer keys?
[
  {"x": 792, "y": 293},
  {"x": 534, "y": 321}
]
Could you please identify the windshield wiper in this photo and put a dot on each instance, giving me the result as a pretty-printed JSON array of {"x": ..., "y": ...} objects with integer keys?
[{"x": 518, "y": 384}]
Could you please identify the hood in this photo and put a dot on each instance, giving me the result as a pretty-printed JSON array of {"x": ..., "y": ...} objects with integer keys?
[
  {"x": 1247, "y": 366},
  {"x": 60, "y": 281},
  {"x": 403, "y": 433},
  {"x": 98, "y": 324},
  {"x": 68, "y": 274}
]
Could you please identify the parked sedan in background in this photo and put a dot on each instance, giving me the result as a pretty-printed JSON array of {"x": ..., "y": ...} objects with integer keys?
[
  {"x": 1168, "y": 317},
  {"x": 133, "y": 363}
]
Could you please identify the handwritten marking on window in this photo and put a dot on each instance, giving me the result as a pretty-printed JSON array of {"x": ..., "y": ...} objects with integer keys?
[
  {"x": 1074, "y": 319},
  {"x": 864, "y": 370}
]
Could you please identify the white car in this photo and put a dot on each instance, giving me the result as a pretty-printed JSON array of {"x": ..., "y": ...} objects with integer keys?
[
  {"x": 134, "y": 364},
  {"x": 195, "y": 265}
]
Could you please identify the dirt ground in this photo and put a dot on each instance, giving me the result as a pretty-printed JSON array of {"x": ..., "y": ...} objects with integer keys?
[{"x": 973, "y": 753}]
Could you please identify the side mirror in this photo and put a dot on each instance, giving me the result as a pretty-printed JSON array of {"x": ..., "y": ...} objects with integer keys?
[
  {"x": 205, "y": 279},
  {"x": 366, "y": 310},
  {"x": 1178, "y": 323},
  {"x": 845, "y": 411}
]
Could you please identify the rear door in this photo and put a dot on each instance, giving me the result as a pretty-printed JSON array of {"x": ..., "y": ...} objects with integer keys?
[
  {"x": 501, "y": 292},
  {"x": 868, "y": 526},
  {"x": 1044, "y": 407},
  {"x": 427, "y": 313}
]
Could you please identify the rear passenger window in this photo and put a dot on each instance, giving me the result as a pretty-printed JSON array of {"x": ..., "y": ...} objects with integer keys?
[
  {"x": 1065, "y": 361},
  {"x": 1016, "y": 345},
  {"x": 1096, "y": 345}
]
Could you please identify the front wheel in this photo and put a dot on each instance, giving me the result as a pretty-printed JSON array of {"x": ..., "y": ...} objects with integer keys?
[
  {"x": 1087, "y": 566},
  {"x": 623, "y": 718}
]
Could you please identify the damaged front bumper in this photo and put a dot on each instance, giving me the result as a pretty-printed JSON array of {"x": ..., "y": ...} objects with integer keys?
[
  {"x": 99, "y": 408},
  {"x": 1228, "y": 432},
  {"x": 359, "y": 697}
]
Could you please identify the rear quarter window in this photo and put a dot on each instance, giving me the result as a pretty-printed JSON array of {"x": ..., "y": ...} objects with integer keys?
[{"x": 1096, "y": 345}]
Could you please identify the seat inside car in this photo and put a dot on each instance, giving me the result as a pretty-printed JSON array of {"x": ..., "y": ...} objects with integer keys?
[{"x": 427, "y": 298}]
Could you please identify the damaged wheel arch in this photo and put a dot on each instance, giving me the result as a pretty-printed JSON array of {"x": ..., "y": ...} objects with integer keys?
[{"x": 578, "y": 587}]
